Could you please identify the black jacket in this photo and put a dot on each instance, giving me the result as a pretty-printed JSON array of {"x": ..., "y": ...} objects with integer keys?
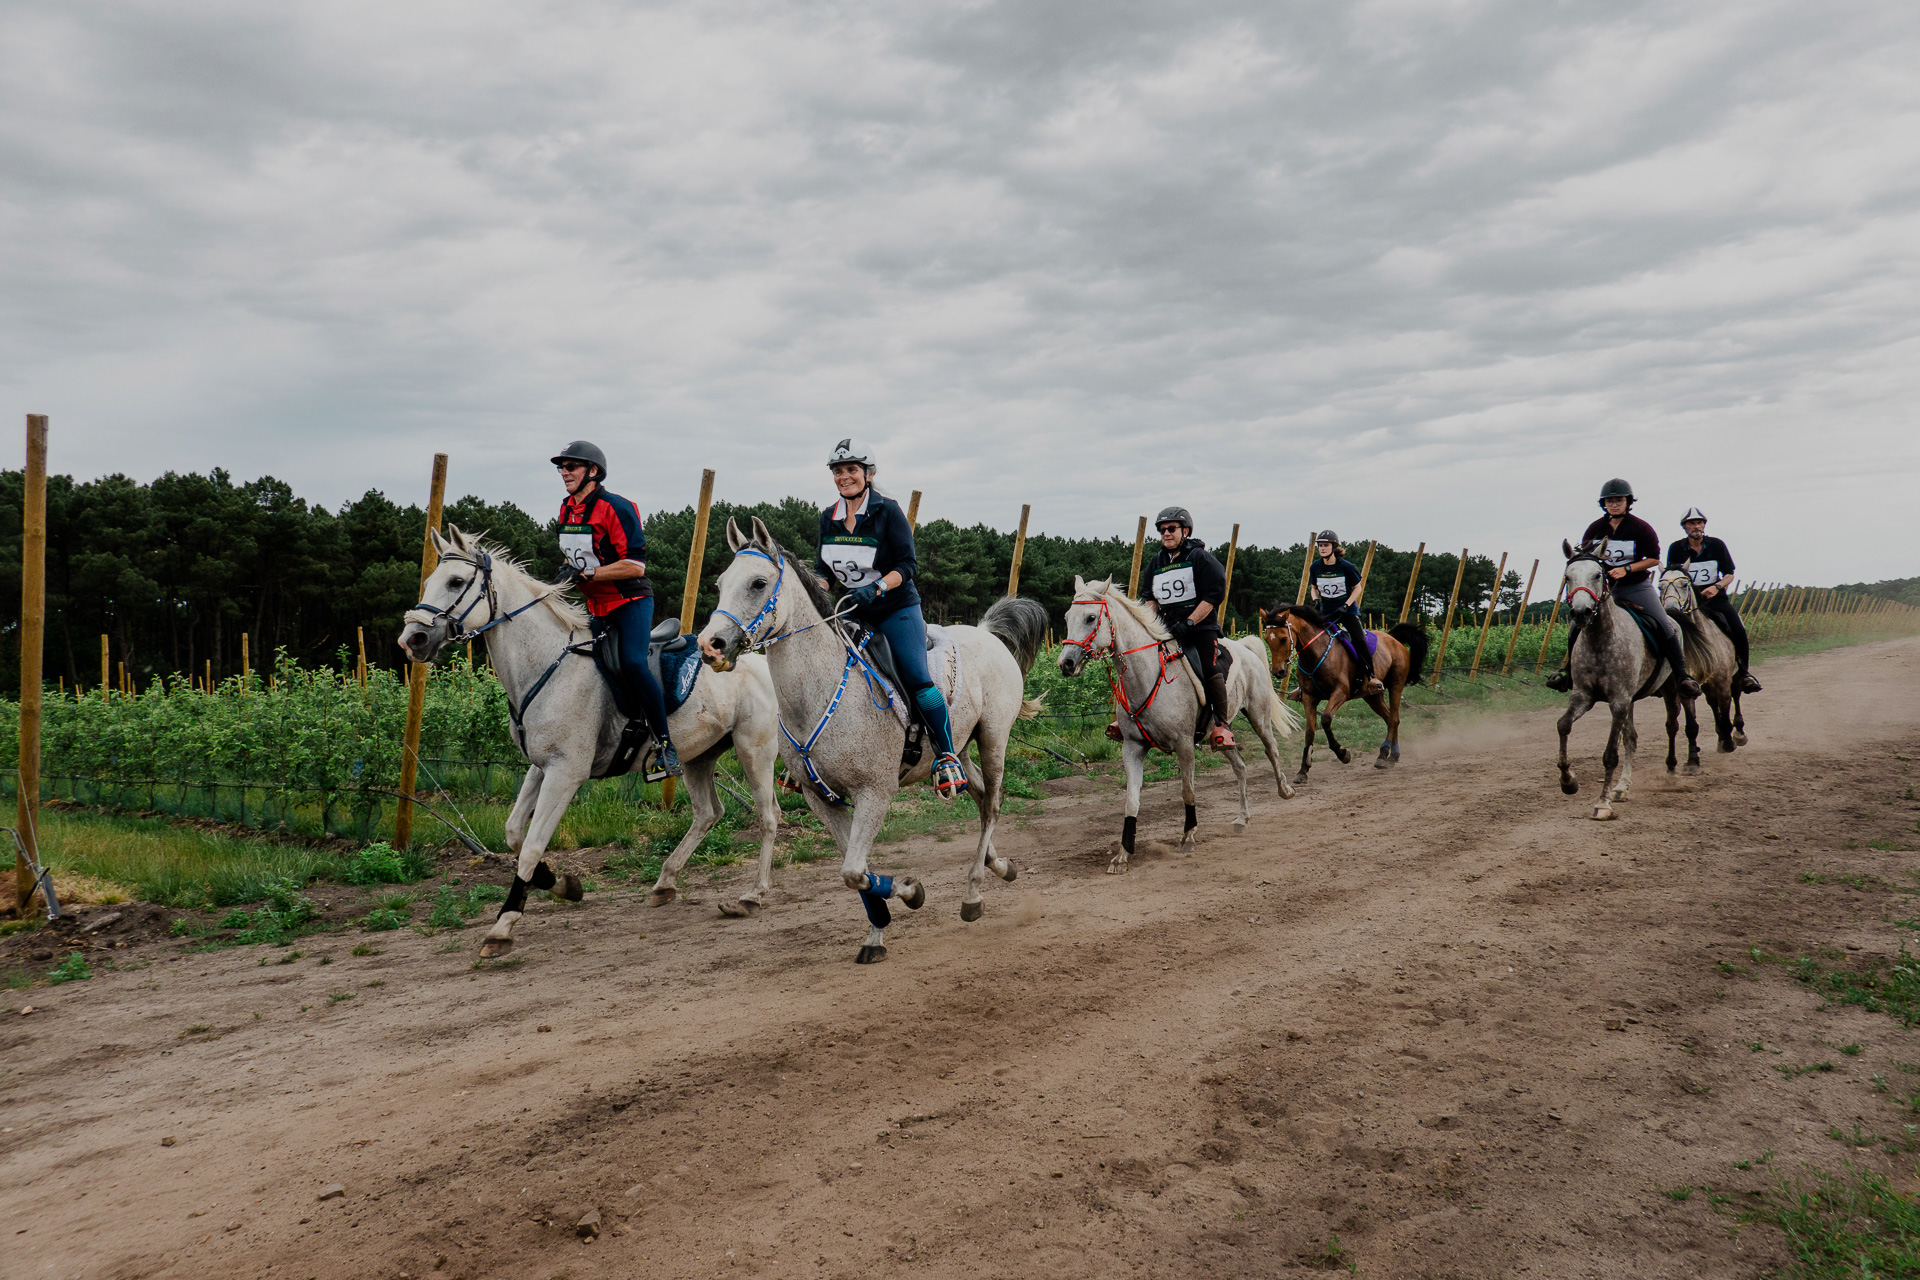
[
  {"x": 1336, "y": 584},
  {"x": 1635, "y": 539},
  {"x": 1179, "y": 580},
  {"x": 1710, "y": 563}
]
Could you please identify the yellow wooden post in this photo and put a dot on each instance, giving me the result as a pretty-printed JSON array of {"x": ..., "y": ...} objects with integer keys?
[
  {"x": 1233, "y": 549},
  {"x": 209, "y": 675},
  {"x": 690, "y": 592},
  {"x": 1413, "y": 581},
  {"x": 416, "y": 671},
  {"x": 1306, "y": 564},
  {"x": 1360, "y": 593},
  {"x": 360, "y": 666},
  {"x": 1519, "y": 616},
  {"x": 1486, "y": 623},
  {"x": 1019, "y": 551},
  {"x": 33, "y": 626},
  {"x": 1440, "y": 659},
  {"x": 126, "y": 686},
  {"x": 246, "y": 661},
  {"x": 1545, "y": 638},
  {"x": 106, "y": 671},
  {"x": 1139, "y": 546},
  {"x": 913, "y": 510}
]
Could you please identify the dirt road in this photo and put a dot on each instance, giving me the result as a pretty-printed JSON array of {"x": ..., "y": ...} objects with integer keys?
[{"x": 1435, "y": 1013}]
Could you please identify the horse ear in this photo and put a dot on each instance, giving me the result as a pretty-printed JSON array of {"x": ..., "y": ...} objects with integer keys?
[
  {"x": 735, "y": 538},
  {"x": 1079, "y": 584},
  {"x": 1567, "y": 548},
  {"x": 440, "y": 545},
  {"x": 762, "y": 534}
]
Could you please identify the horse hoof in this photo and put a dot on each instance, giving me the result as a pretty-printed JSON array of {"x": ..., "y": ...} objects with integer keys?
[
  {"x": 1569, "y": 787},
  {"x": 1726, "y": 748},
  {"x": 569, "y": 889},
  {"x": 1238, "y": 827},
  {"x": 1690, "y": 768},
  {"x": 1602, "y": 813},
  {"x": 1346, "y": 757},
  {"x": 1383, "y": 763},
  {"x": 1116, "y": 868},
  {"x": 1739, "y": 739},
  {"x": 661, "y": 896},
  {"x": 1299, "y": 779},
  {"x": 870, "y": 955},
  {"x": 494, "y": 948},
  {"x": 971, "y": 911},
  {"x": 1012, "y": 872},
  {"x": 739, "y": 910}
]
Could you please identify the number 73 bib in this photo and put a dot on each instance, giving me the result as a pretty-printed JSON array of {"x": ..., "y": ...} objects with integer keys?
[{"x": 1174, "y": 585}]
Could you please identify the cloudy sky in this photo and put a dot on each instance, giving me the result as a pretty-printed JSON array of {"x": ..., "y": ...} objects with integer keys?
[{"x": 1415, "y": 270}]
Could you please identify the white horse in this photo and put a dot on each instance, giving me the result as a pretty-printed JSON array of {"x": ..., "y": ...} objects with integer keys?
[
  {"x": 844, "y": 729},
  {"x": 1612, "y": 663},
  {"x": 566, "y": 724},
  {"x": 1159, "y": 697}
]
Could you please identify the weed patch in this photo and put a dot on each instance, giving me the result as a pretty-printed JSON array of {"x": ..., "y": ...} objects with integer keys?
[
  {"x": 380, "y": 863},
  {"x": 1890, "y": 987},
  {"x": 1852, "y": 1226},
  {"x": 73, "y": 969}
]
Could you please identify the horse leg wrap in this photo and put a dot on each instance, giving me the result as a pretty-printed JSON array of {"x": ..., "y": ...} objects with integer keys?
[
  {"x": 879, "y": 884},
  {"x": 876, "y": 904},
  {"x": 543, "y": 877},
  {"x": 516, "y": 898},
  {"x": 1192, "y": 819},
  {"x": 1126, "y": 835}
]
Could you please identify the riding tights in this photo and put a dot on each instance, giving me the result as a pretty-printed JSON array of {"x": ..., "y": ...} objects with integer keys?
[
  {"x": 906, "y": 633},
  {"x": 1721, "y": 610},
  {"x": 633, "y": 622}
]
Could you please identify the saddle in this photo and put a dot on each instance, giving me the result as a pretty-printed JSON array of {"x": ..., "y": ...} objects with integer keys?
[
  {"x": 1339, "y": 633},
  {"x": 879, "y": 652},
  {"x": 1651, "y": 638},
  {"x": 674, "y": 661}
]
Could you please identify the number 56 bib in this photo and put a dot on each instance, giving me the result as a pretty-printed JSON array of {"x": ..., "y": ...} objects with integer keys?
[
  {"x": 576, "y": 546},
  {"x": 1174, "y": 585}
]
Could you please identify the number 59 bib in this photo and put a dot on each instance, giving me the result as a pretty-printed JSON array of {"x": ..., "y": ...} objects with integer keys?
[{"x": 1174, "y": 586}]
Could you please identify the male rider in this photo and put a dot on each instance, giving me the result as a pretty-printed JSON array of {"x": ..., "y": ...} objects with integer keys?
[
  {"x": 1334, "y": 583},
  {"x": 1708, "y": 562},
  {"x": 1186, "y": 587}
]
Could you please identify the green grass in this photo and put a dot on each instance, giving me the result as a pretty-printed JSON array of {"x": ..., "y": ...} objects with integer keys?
[
  {"x": 1879, "y": 986},
  {"x": 1844, "y": 1228},
  {"x": 73, "y": 969}
]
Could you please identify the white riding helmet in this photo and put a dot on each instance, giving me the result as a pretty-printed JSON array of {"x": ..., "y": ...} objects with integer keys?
[
  {"x": 1693, "y": 513},
  {"x": 846, "y": 452}
]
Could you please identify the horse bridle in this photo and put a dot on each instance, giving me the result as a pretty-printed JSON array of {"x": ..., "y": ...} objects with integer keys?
[
  {"x": 1110, "y": 651},
  {"x": 483, "y": 562},
  {"x": 1606, "y": 579}
]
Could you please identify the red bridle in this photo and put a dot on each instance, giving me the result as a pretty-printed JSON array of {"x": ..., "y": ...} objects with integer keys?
[{"x": 1109, "y": 652}]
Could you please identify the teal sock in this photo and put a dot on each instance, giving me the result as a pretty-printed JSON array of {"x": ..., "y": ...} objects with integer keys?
[{"x": 933, "y": 709}]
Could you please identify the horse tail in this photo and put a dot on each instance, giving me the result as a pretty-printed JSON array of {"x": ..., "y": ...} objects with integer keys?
[
  {"x": 1415, "y": 638},
  {"x": 1285, "y": 719},
  {"x": 1021, "y": 625}
]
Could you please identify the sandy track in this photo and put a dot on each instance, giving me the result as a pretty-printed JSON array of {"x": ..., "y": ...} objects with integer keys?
[{"x": 1382, "y": 1013}]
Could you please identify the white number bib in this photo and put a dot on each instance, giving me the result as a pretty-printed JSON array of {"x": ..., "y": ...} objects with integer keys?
[
  {"x": 1704, "y": 572},
  {"x": 1174, "y": 586},
  {"x": 1619, "y": 551},
  {"x": 576, "y": 548},
  {"x": 851, "y": 562},
  {"x": 1332, "y": 588}
]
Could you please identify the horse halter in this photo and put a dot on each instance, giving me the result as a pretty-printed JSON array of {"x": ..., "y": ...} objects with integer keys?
[{"x": 1606, "y": 582}]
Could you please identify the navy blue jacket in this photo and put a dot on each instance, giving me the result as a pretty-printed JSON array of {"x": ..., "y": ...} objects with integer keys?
[
  {"x": 881, "y": 542},
  {"x": 1336, "y": 584}
]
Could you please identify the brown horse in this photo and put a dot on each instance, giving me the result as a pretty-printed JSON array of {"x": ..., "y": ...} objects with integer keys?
[{"x": 1326, "y": 673}]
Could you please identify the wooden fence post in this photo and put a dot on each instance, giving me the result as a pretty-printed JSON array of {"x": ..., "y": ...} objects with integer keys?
[
  {"x": 1413, "y": 581},
  {"x": 1360, "y": 592},
  {"x": 33, "y": 625},
  {"x": 690, "y": 593},
  {"x": 1233, "y": 549},
  {"x": 1306, "y": 565},
  {"x": 360, "y": 666},
  {"x": 1440, "y": 659},
  {"x": 1139, "y": 545},
  {"x": 1519, "y": 616},
  {"x": 106, "y": 671},
  {"x": 1486, "y": 623},
  {"x": 417, "y": 671},
  {"x": 913, "y": 510},
  {"x": 1019, "y": 551},
  {"x": 246, "y": 661},
  {"x": 1547, "y": 636}
]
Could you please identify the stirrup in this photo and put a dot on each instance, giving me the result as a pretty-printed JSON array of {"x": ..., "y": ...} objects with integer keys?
[
  {"x": 1748, "y": 684},
  {"x": 669, "y": 760},
  {"x": 1220, "y": 738},
  {"x": 949, "y": 778},
  {"x": 1560, "y": 681},
  {"x": 1113, "y": 731}
]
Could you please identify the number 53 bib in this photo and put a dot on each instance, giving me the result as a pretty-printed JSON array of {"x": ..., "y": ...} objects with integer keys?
[{"x": 851, "y": 559}]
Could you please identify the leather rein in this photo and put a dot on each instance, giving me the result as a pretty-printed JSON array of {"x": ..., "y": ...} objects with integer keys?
[{"x": 1115, "y": 675}]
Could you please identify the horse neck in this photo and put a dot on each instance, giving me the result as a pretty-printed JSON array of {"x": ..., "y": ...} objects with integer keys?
[
  {"x": 1140, "y": 671},
  {"x": 806, "y": 662},
  {"x": 523, "y": 648}
]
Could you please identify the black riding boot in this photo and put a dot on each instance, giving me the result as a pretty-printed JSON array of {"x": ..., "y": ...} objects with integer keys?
[
  {"x": 1677, "y": 659},
  {"x": 1561, "y": 681},
  {"x": 1742, "y": 678}
]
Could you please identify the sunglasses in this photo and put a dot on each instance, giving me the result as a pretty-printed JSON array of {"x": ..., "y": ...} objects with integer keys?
[
  {"x": 1171, "y": 528},
  {"x": 571, "y": 466}
]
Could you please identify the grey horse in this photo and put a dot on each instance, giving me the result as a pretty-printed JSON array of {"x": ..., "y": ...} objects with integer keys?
[
  {"x": 1611, "y": 663},
  {"x": 567, "y": 725},
  {"x": 1711, "y": 660},
  {"x": 843, "y": 728}
]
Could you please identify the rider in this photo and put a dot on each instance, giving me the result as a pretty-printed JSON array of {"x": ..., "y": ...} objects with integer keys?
[
  {"x": 1186, "y": 587},
  {"x": 867, "y": 545},
  {"x": 1334, "y": 582},
  {"x": 1630, "y": 547},
  {"x": 1708, "y": 562},
  {"x": 604, "y": 550}
]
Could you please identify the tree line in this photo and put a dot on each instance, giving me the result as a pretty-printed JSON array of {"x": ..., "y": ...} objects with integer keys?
[{"x": 176, "y": 570}]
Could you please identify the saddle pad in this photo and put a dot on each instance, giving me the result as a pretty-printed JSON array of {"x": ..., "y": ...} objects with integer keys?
[
  {"x": 1373, "y": 642},
  {"x": 679, "y": 672}
]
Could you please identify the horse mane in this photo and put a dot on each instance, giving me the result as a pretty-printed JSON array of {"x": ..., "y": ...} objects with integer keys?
[
  {"x": 564, "y": 608},
  {"x": 1305, "y": 612},
  {"x": 822, "y": 602},
  {"x": 1137, "y": 610}
]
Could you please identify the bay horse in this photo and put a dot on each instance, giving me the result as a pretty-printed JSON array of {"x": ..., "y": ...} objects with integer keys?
[
  {"x": 1160, "y": 700},
  {"x": 1711, "y": 661},
  {"x": 1326, "y": 673},
  {"x": 843, "y": 727},
  {"x": 1611, "y": 662}
]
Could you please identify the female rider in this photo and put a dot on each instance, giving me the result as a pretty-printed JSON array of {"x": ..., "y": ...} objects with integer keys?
[
  {"x": 1334, "y": 582},
  {"x": 866, "y": 545},
  {"x": 604, "y": 549}
]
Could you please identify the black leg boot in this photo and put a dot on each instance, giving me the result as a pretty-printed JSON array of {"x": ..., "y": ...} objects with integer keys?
[{"x": 1677, "y": 659}]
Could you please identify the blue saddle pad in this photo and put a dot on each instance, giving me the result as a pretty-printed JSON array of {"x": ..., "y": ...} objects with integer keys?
[
  {"x": 679, "y": 671},
  {"x": 1373, "y": 644}
]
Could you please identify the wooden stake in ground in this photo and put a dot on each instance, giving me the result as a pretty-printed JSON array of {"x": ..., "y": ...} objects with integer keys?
[
  {"x": 1019, "y": 551},
  {"x": 1493, "y": 601},
  {"x": 1519, "y": 616},
  {"x": 106, "y": 671},
  {"x": 1233, "y": 549},
  {"x": 690, "y": 593},
  {"x": 1440, "y": 659},
  {"x": 1139, "y": 546},
  {"x": 246, "y": 661},
  {"x": 1360, "y": 592},
  {"x": 33, "y": 630},
  {"x": 1413, "y": 580},
  {"x": 913, "y": 510},
  {"x": 416, "y": 671},
  {"x": 360, "y": 667},
  {"x": 209, "y": 675},
  {"x": 1306, "y": 564}
]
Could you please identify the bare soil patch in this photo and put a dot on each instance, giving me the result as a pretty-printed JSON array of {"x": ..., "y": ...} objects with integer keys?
[{"x": 1436, "y": 1013}]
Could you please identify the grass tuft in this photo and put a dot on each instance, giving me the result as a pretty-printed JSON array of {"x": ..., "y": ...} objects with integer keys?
[
  {"x": 1843, "y": 1228},
  {"x": 73, "y": 969}
]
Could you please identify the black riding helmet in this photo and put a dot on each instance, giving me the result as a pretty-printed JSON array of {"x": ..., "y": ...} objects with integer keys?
[
  {"x": 1616, "y": 488},
  {"x": 1173, "y": 515},
  {"x": 583, "y": 451}
]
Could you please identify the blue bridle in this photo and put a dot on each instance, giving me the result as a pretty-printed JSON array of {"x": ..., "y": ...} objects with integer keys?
[{"x": 747, "y": 629}]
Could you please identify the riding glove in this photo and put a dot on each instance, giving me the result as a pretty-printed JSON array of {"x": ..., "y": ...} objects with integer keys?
[{"x": 864, "y": 596}]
